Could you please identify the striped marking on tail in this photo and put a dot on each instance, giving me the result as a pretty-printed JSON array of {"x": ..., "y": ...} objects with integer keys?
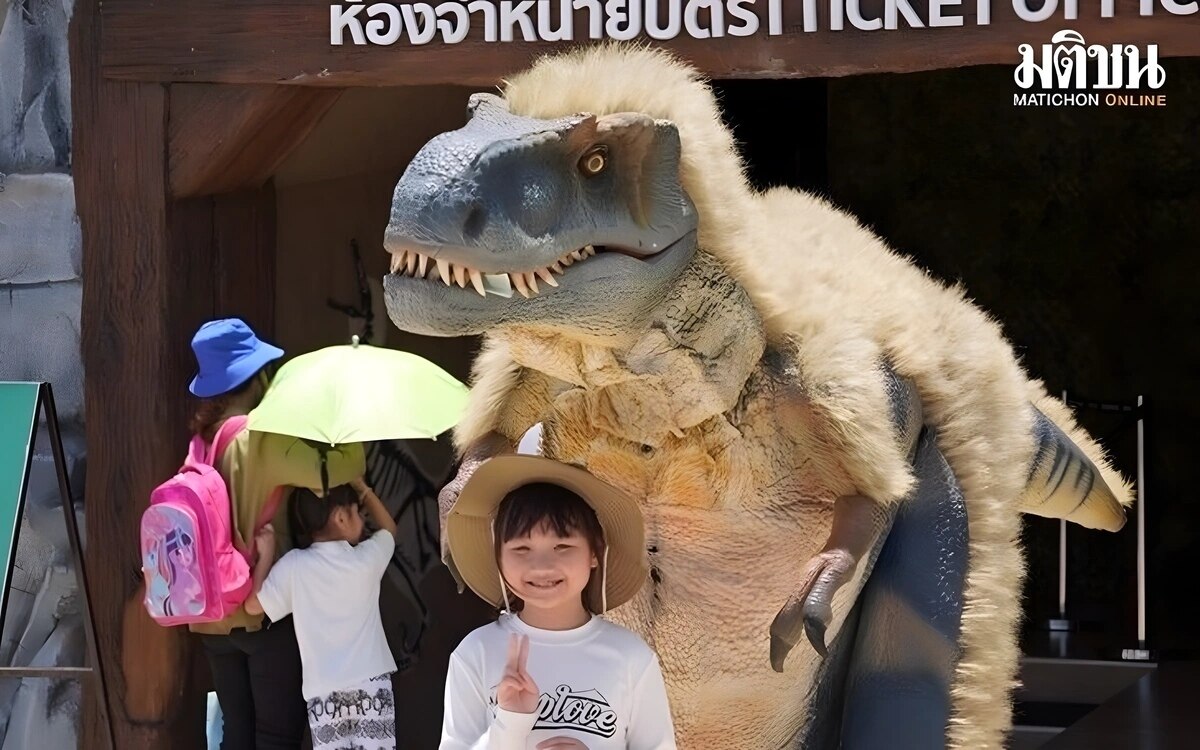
[{"x": 1064, "y": 483}]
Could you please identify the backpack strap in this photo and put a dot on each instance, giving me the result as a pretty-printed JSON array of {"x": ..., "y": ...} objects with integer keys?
[
  {"x": 228, "y": 431},
  {"x": 201, "y": 453}
]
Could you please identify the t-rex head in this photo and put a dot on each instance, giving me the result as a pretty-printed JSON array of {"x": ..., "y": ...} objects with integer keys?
[{"x": 581, "y": 219}]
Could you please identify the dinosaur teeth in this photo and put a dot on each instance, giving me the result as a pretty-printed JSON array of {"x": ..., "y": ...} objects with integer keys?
[
  {"x": 588, "y": 250},
  {"x": 518, "y": 281},
  {"x": 417, "y": 265}
]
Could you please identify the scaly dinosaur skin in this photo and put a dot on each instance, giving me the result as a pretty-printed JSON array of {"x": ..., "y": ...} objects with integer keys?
[{"x": 649, "y": 363}]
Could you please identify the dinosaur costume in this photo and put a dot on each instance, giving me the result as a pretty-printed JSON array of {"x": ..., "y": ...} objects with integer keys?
[{"x": 793, "y": 404}]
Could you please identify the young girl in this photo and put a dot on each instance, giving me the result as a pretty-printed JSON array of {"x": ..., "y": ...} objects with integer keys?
[
  {"x": 555, "y": 547},
  {"x": 330, "y": 584}
]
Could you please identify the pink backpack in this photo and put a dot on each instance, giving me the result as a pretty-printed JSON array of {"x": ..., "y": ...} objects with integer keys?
[{"x": 194, "y": 573}]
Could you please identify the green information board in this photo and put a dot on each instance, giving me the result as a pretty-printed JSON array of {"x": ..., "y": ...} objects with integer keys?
[
  {"x": 18, "y": 428},
  {"x": 20, "y": 405}
]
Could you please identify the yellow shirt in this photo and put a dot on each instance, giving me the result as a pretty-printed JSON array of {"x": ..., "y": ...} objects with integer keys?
[{"x": 253, "y": 466}]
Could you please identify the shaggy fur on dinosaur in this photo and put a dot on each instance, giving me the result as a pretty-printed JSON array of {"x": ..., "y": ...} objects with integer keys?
[{"x": 835, "y": 296}]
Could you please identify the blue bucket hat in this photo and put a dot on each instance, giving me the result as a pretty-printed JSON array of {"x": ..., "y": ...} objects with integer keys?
[{"x": 229, "y": 354}]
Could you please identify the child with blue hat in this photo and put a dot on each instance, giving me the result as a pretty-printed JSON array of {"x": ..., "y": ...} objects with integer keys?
[{"x": 256, "y": 665}]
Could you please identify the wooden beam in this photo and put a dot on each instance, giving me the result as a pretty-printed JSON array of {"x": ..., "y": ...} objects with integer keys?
[
  {"x": 227, "y": 138},
  {"x": 288, "y": 41}
]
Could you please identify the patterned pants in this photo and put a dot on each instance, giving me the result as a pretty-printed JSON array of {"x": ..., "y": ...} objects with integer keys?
[{"x": 359, "y": 718}]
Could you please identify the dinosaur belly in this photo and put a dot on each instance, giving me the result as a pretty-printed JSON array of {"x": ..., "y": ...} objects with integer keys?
[
  {"x": 730, "y": 523},
  {"x": 719, "y": 578}
]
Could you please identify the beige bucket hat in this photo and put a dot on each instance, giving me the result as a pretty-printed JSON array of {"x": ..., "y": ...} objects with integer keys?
[{"x": 470, "y": 527}]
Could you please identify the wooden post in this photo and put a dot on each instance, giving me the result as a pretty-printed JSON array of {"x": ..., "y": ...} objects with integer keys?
[
  {"x": 153, "y": 270},
  {"x": 133, "y": 298}
]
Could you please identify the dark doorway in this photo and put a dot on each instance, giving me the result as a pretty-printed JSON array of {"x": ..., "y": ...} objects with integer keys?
[{"x": 1079, "y": 229}]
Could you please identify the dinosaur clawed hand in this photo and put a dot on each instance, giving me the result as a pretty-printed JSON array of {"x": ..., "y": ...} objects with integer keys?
[
  {"x": 811, "y": 608},
  {"x": 858, "y": 525}
]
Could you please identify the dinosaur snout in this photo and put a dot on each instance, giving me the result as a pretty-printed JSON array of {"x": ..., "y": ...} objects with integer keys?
[
  {"x": 499, "y": 206},
  {"x": 428, "y": 209}
]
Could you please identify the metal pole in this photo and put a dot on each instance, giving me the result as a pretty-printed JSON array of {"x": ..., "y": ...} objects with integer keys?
[
  {"x": 1062, "y": 557},
  {"x": 1062, "y": 569},
  {"x": 89, "y": 625},
  {"x": 1141, "y": 530}
]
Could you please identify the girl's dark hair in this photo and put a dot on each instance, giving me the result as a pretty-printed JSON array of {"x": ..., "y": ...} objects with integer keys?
[
  {"x": 554, "y": 507},
  {"x": 208, "y": 412},
  {"x": 309, "y": 512}
]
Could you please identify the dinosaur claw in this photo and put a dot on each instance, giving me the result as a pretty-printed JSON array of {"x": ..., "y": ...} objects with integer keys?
[
  {"x": 814, "y": 628},
  {"x": 779, "y": 651},
  {"x": 785, "y": 629},
  {"x": 815, "y": 617},
  {"x": 810, "y": 608}
]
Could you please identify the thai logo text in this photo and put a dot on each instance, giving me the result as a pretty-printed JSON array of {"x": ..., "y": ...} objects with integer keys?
[{"x": 1068, "y": 62}]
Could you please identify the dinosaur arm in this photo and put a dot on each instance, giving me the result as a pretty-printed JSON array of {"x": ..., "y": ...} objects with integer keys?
[
  {"x": 506, "y": 398},
  {"x": 860, "y": 524},
  {"x": 863, "y": 408}
]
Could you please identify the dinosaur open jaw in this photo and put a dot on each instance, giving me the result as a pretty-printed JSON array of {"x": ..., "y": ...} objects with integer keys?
[{"x": 418, "y": 265}]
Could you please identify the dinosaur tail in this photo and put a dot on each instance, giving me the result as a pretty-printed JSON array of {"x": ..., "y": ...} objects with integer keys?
[{"x": 1070, "y": 477}]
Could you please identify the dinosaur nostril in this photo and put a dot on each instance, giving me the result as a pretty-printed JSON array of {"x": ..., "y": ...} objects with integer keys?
[{"x": 473, "y": 226}]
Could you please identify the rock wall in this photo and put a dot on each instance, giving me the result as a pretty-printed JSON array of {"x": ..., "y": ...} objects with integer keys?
[{"x": 40, "y": 292}]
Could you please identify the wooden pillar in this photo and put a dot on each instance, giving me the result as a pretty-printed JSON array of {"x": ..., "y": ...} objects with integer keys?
[
  {"x": 154, "y": 268},
  {"x": 133, "y": 298}
]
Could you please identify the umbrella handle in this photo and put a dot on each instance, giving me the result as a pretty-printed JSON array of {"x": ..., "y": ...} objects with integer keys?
[{"x": 324, "y": 471}]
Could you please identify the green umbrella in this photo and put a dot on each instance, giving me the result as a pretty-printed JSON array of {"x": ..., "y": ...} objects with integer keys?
[{"x": 359, "y": 393}]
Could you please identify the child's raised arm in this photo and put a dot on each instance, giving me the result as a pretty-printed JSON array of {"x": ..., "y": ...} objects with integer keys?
[
  {"x": 264, "y": 542},
  {"x": 466, "y": 722},
  {"x": 374, "y": 506}
]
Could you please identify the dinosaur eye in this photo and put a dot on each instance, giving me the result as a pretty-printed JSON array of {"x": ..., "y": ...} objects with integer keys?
[{"x": 594, "y": 160}]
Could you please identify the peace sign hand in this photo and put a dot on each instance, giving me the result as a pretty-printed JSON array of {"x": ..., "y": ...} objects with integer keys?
[{"x": 517, "y": 691}]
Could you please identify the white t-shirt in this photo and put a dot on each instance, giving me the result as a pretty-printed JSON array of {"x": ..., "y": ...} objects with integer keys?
[
  {"x": 332, "y": 591},
  {"x": 599, "y": 683}
]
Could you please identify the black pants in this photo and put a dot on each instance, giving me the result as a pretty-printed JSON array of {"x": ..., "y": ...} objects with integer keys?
[{"x": 257, "y": 677}]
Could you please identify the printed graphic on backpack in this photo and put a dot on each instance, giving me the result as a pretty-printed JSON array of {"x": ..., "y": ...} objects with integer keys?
[{"x": 173, "y": 587}]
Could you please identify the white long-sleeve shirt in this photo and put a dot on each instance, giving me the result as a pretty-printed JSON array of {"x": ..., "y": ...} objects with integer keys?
[{"x": 599, "y": 683}]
